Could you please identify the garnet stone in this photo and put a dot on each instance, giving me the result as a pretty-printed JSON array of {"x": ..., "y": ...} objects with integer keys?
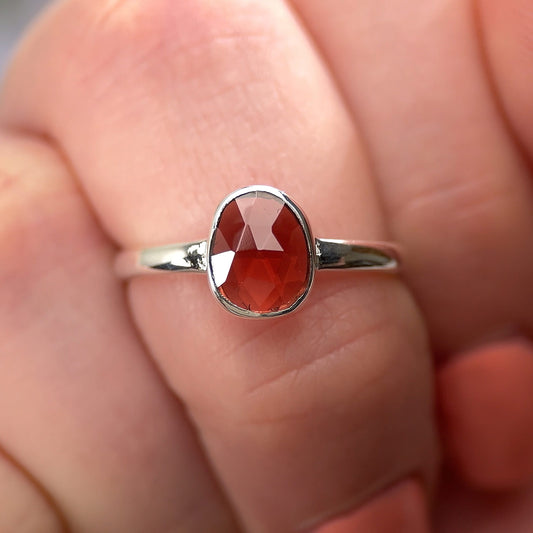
[{"x": 260, "y": 254}]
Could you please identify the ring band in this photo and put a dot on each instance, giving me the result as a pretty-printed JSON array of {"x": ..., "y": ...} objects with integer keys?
[{"x": 260, "y": 256}]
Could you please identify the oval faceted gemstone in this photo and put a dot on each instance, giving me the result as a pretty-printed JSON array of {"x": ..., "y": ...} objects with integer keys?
[{"x": 259, "y": 257}]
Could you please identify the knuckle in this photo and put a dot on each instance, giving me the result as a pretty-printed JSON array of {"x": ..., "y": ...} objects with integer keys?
[{"x": 475, "y": 209}]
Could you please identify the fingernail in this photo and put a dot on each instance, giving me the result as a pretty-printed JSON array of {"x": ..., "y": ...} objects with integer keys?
[{"x": 399, "y": 509}]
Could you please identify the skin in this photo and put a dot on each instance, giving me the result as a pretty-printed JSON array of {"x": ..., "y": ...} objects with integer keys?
[{"x": 147, "y": 407}]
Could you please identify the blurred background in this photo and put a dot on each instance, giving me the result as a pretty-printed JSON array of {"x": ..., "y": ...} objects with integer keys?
[{"x": 14, "y": 17}]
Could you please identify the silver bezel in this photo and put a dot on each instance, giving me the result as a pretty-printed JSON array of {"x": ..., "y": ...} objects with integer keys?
[{"x": 311, "y": 250}]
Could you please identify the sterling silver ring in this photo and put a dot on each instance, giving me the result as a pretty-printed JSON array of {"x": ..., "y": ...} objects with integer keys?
[{"x": 261, "y": 256}]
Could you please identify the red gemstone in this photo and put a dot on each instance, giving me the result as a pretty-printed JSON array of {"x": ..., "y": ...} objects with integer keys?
[{"x": 260, "y": 258}]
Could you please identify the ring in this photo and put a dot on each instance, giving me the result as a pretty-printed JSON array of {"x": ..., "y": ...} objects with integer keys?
[{"x": 261, "y": 256}]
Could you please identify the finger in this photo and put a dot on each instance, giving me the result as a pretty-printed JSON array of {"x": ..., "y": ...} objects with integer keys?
[
  {"x": 488, "y": 415},
  {"x": 24, "y": 507},
  {"x": 506, "y": 29},
  {"x": 165, "y": 108},
  {"x": 462, "y": 510},
  {"x": 83, "y": 410},
  {"x": 454, "y": 185},
  {"x": 401, "y": 509}
]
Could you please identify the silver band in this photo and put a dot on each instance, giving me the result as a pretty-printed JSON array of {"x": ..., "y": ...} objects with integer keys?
[{"x": 331, "y": 254}]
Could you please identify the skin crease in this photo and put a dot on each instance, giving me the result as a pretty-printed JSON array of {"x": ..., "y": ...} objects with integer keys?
[
  {"x": 125, "y": 122},
  {"x": 18, "y": 494}
]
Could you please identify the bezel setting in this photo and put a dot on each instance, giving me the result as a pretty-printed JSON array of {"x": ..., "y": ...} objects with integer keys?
[{"x": 263, "y": 191}]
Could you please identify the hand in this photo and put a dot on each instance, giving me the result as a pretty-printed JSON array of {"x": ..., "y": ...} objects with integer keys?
[{"x": 124, "y": 123}]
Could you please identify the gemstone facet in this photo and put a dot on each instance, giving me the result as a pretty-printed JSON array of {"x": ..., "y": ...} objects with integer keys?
[{"x": 260, "y": 258}]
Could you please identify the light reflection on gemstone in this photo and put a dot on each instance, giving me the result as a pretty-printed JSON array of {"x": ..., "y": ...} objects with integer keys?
[{"x": 221, "y": 265}]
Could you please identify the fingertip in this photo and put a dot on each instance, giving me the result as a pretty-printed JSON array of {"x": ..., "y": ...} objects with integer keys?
[
  {"x": 486, "y": 407},
  {"x": 400, "y": 509}
]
